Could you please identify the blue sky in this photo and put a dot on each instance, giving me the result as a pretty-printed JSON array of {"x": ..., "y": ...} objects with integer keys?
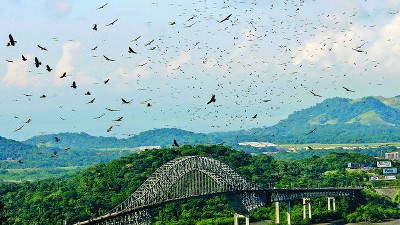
[{"x": 265, "y": 59}]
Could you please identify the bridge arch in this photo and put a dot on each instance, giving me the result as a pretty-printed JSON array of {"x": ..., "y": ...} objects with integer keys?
[{"x": 186, "y": 177}]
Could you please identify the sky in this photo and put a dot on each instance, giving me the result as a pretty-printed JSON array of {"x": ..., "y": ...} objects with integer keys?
[{"x": 263, "y": 60}]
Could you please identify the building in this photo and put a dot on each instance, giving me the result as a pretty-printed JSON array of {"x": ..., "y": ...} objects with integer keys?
[{"x": 392, "y": 155}]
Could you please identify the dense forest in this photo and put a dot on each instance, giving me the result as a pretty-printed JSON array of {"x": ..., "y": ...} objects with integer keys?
[{"x": 102, "y": 186}]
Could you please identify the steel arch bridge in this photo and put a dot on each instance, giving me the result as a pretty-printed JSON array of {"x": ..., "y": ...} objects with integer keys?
[{"x": 199, "y": 176}]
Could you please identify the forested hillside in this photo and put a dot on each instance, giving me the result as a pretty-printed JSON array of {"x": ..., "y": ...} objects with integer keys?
[{"x": 103, "y": 186}]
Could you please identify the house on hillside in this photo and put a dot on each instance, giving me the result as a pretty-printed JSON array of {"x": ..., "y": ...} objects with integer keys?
[{"x": 392, "y": 155}]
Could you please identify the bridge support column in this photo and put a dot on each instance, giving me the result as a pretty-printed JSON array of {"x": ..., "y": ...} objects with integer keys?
[
  {"x": 237, "y": 216},
  {"x": 306, "y": 201},
  {"x": 333, "y": 204},
  {"x": 288, "y": 213},
  {"x": 277, "y": 219}
]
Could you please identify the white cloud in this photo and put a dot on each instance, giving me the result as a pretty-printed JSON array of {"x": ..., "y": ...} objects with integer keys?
[
  {"x": 179, "y": 61},
  {"x": 59, "y": 7},
  {"x": 387, "y": 47},
  {"x": 18, "y": 74},
  {"x": 68, "y": 61}
]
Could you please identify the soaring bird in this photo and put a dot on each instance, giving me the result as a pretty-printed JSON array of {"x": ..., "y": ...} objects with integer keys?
[
  {"x": 112, "y": 23},
  {"x": 91, "y": 101},
  {"x": 12, "y": 41},
  {"x": 108, "y": 59},
  {"x": 149, "y": 43},
  {"x": 125, "y": 101},
  {"x": 130, "y": 50},
  {"x": 48, "y": 68},
  {"x": 347, "y": 89},
  {"x": 99, "y": 116},
  {"x": 102, "y": 6},
  {"x": 175, "y": 143},
  {"x": 315, "y": 94},
  {"x": 109, "y": 129},
  {"x": 42, "y": 48},
  {"x": 54, "y": 155},
  {"x": 212, "y": 99},
  {"x": 73, "y": 85},
  {"x": 119, "y": 119},
  {"x": 106, "y": 81},
  {"x": 112, "y": 110},
  {"x": 64, "y": 75},
  {"x": 19, "y": 128},
  {"x": 312, "y": 131},
  {"x": 226, "y": 18},
  {"x": 37, "y": 62}
]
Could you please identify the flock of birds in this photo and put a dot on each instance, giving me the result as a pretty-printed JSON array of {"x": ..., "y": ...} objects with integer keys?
[{"x": 236, "y": 100}]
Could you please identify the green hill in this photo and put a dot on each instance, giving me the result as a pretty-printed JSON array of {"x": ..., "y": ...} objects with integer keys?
[
  {"x": 335, "y": 120},
  {"x": 103, "y": 186}
]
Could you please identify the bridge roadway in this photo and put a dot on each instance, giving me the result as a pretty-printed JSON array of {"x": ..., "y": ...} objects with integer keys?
[{"x": 202, "y": 177}]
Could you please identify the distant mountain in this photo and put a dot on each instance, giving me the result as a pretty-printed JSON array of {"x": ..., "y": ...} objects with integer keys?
[
  {"x": 158, "y": 137},
  {"x": 337, "y": 120}
]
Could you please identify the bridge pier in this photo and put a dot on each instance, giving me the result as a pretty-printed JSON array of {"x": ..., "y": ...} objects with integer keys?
[
  {"x": 237, "y": 216},
  {"x": 333, "y": 203},
  {"x": 277, "y": 219},
  {"x": 306, "y": 201},
  {"x": 288, "y": 213}
]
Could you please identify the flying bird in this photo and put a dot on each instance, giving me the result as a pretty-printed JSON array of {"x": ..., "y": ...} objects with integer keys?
[
  {"x": 19, "y": 128},
  {"x": 255, "y": 116},
  {"x": 23, "y": 58},
  {"x": 112, "y": 110},
  {"x": 175, "y": 143},
  {"x": 109, "y": 129},
  {"x": 212, "y": 99},
  {"x": 106, "y": 81},
  {"x": 48, "y": 68},
  {"x": 42, "y": 48},
  {"x": 226, "y": 18},
  {"x": 108, "y": 59},
  {"x": 37, "y": 62},
  {"x": 54, "y": 155},
  {"x": 99, "y": 116},
  {"x": 315, "y": 94},
  {"x": 347, "y": 89},
  {"x": 112, "y": 23},
  {"x": 125, "y": 101},
  {"x": 94, "y": 27},
  {"x": 12, "y": 41},
  {"x": 119, "y": 119},
  {"x": 73, "y": 85},
  {"x": 64, "y": 75},
  {"x": 91, "y": 101},
  {"x": 149, "y": 43},
  {"x": 88, "y": 93},
  {"x": 130, "y": 50},
  {"x": 56, "y": 139},
  {"x": 102, "y": 6},
  {"x": 312, "y": 131}
]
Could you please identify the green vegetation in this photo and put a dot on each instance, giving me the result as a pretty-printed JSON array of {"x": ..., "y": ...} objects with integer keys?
[{"x": 101, "y": 187}]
